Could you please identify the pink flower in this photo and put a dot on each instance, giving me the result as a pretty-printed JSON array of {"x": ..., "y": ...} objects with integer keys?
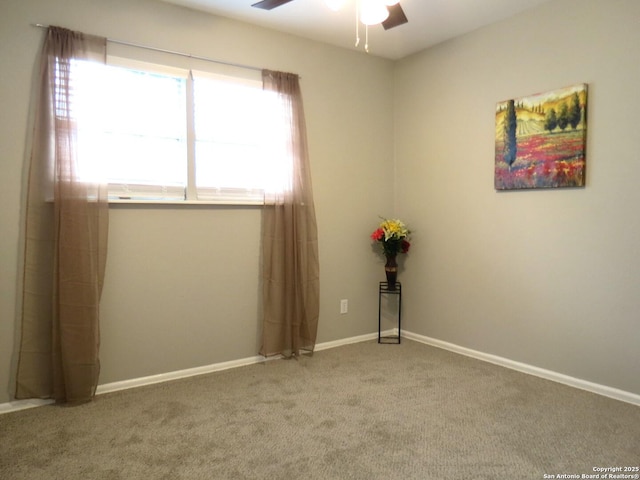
[{"x": 377, "y": 235}]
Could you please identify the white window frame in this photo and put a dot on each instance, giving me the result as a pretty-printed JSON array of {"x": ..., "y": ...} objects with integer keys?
[{"x": 226, "y": 197}]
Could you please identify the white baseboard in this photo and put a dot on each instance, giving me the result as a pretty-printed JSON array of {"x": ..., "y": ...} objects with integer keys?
[
  {"x": 217, "y": 367},
  {"x": 350, "y": 340},
  {"x": 178, "y": 374},
  {"x": 610, "y": 392},
  {"x": 15, "y": 405}
]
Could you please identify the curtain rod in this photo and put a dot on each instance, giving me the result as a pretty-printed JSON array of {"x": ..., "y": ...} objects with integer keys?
[{"x": 171, "y": 52}]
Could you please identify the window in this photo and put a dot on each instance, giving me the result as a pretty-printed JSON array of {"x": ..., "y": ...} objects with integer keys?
[
  {"x": 164, "y": 134},
  {"x": 234, "y": 124}
]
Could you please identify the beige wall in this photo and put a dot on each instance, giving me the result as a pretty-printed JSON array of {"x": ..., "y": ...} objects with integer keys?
[
  {"x": 182, "y": 282},
  {"x": 547, "y": 278}
]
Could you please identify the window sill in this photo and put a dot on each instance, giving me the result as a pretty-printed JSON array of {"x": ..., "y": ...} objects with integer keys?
[{"x": 133, "y": 202}]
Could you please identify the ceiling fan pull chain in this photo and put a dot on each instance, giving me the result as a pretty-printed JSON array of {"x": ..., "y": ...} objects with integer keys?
[
  {"x": 366, "y": 38},
  {"x": 357, "y": 23}
]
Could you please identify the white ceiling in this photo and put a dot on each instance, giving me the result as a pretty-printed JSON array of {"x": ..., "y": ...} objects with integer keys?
[{"x": 430, "y": 21}]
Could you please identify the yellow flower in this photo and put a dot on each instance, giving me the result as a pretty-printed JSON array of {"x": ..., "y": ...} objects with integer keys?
[{"x": 394, "y": 229}]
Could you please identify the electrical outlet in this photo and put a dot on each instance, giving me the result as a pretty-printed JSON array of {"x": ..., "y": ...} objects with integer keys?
[{"x": 344, "y": 306}]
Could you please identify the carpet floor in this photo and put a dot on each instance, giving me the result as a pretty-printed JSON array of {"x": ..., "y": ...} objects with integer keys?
[{"x": 361, "y": 411}]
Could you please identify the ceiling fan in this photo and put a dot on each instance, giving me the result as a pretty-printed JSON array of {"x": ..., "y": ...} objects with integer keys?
[{"x": 395, "y": 17}]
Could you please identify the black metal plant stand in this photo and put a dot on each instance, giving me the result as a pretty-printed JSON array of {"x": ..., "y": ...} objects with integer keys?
[{"x": 384, "y": 290}]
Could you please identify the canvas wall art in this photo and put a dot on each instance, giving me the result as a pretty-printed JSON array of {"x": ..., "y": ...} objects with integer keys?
[{"x": 541, "y": 140}]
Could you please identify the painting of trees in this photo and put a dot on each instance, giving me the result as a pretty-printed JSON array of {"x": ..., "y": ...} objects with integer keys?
[
  {"x": 563, "y": 117},
  {"x": 541, "y": 140},
  {"x": 550, "y": 121},
  {"x": 510, "y": 125},
  {"x": 575, "y": 111}
]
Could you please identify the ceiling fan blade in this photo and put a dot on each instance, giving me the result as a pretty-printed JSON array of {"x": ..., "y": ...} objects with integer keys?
[
  {"x": 396, "y": 17},
  {"x": 270, "y": 4}
]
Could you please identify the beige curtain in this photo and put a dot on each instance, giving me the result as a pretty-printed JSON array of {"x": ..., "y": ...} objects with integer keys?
[
  {"x": 289, "y": 236},
  {"x": 65, "y": 237}
]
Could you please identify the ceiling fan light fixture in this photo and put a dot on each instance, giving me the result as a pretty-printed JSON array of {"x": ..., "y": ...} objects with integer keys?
[
  {"x": 334, "y": 5},
  {"x": 373, "y": 12}
]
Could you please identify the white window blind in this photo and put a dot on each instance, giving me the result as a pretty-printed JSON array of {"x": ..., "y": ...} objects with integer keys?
[
  {"x": 133, "y": 132},
  {"x": 230, "y": 150},
  {"x": 161, "y": 134}
]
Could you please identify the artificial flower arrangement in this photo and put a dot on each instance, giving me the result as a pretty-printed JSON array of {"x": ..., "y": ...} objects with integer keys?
[{"x": 393, "y": 235}]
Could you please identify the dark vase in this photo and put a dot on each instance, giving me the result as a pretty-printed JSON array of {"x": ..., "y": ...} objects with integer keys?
[{"x": 391, "y": 270}]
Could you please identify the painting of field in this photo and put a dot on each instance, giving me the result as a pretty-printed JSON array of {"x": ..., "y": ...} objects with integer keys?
[{"x": 541, "y": 140}]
